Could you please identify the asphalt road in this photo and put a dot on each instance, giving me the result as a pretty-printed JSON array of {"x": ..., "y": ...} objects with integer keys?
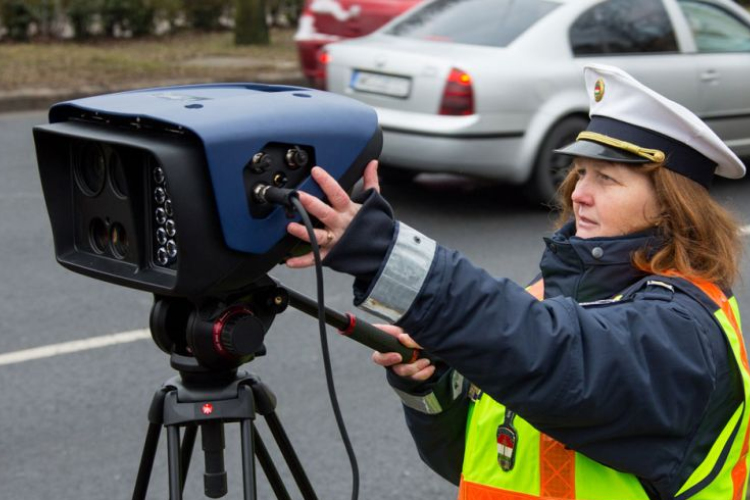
[{"x": 72, "y": 425}]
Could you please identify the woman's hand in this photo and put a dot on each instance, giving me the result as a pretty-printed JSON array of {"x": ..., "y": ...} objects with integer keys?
[
  {"x": 420, "y": 370},
  {"x": 335, "y": 217}
]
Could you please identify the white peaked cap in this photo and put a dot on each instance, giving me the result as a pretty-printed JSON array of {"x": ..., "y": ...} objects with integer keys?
[{"x": 631, "y": 123}]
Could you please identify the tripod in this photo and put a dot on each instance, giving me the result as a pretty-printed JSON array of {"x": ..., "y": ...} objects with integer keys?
[
  {"x": 207, "y": 341},
  {"x": 205, "y": 399}
]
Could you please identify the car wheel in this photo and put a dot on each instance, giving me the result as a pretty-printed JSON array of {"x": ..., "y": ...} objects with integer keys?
[{"x": 550, "y": 169}]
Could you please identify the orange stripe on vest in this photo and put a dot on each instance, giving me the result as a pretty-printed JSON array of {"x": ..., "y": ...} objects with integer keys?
[
  {"x": 557, "y": 467},
  {"x": 476, "y": 491}
]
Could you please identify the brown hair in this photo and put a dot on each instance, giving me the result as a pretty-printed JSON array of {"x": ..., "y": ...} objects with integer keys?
[{"x": 700, "y": 238}]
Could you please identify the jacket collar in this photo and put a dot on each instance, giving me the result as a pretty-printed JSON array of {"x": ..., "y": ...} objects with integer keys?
[{"x": 591, "y": 269}]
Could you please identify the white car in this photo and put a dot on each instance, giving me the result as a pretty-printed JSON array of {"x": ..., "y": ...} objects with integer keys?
[{"x": 488, "y": 88}]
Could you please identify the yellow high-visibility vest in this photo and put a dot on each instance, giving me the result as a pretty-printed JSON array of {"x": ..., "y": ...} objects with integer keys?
[{"x": 550, "y": 471}]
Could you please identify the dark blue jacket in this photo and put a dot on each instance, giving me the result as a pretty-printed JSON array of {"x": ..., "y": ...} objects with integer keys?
[{"x": 643, "y": 385}]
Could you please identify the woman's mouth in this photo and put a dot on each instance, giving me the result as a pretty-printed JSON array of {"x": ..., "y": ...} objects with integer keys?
[{"x": 584, "y": 222}]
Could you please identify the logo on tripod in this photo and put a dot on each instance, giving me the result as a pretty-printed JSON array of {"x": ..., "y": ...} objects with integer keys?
[{"x": 207, "y": 409}]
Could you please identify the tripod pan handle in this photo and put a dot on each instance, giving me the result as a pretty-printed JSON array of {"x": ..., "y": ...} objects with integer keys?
[{"x": 371, "y": 336}]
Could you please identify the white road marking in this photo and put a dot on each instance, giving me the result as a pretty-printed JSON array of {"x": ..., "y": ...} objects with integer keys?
[{"x": 48, "y": 351}]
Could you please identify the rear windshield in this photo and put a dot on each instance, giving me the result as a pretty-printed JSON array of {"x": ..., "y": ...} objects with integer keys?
[{"x": 476, "y": 22}]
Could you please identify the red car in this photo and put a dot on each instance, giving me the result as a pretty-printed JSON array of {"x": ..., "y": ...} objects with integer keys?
[{"x": 326, "y": 21}]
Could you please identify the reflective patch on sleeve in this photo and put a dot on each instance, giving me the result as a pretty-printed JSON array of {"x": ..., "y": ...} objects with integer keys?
[
  {"x": 448, "y": 389},
  {"x": 403, "y": 275}
]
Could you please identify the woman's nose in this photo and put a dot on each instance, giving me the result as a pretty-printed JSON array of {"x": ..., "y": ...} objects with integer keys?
[{"x": 582, "y": 193}]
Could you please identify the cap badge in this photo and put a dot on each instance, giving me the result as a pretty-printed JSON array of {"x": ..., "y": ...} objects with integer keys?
[{"x": 599, "y": 90}]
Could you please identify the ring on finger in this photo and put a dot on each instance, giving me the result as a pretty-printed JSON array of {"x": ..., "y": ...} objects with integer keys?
[{"x": 329, "y": 237}]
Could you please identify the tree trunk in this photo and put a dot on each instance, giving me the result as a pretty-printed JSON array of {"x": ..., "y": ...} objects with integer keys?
[{"x": 250, "y": 26}]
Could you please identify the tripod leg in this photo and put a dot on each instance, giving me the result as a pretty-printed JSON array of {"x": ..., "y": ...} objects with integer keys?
[
  {"x": 248, "y": 459},
  {"x": 274, "y": 479},
  {"x": 147, "y": 461},
  {"x": 188, "y": 441},
  {"x": 156, "y": 420},
  {"x": 287, "y": 450},
  {"x": 173, "y": 456},
  {"x": 266, "y": 405}
]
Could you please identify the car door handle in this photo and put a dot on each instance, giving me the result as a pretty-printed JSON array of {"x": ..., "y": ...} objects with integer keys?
[{"x": 709, "y": 76}]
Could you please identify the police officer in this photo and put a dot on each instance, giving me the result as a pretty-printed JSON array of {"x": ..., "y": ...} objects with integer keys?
[{"x": 620, "y": 372}]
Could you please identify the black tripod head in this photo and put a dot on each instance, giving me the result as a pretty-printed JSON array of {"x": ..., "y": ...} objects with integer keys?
[{"x": 210, "y": 336}]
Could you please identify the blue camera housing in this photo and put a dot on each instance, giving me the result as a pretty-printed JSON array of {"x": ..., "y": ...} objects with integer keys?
[
  {"x": 234, "y": 121},
  {"x": 154, "y": 189}
]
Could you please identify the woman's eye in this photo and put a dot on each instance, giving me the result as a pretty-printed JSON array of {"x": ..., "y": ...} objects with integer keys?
[{"x": 605, "y": 177}]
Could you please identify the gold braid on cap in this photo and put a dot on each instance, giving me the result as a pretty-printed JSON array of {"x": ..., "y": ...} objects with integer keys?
[{"x": 653, "y": 155}]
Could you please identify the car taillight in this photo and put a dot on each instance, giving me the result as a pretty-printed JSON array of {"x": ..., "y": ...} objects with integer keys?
[
  {"x": 458, "y": 96},
  {"x": 323, "y": 59}
]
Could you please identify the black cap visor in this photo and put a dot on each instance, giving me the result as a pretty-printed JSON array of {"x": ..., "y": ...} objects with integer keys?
[{"x": 596, "y": 151}]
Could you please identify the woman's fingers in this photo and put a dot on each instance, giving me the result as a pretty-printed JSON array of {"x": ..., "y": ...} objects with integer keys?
[
  {"x": 411, "y": 369},
  {"x": 298, "y": 231},
  {"x": 398, "y": 332},
  {"x": 389, "y": 329},
  {"x": 420, "y": 370},
  {"x": 336, "y": 216},
  {"x": 324, "y": 237},
  {"x": 386, "y": 358},
  {"x": 370, "y": 176},
  {"x": 302, "y": 261},
  {"x": 406, "y": 339},
  {"x": 423, "y": 375},
  {"x": 318, "y": 209},
  {"x": 338, "y": 198}
]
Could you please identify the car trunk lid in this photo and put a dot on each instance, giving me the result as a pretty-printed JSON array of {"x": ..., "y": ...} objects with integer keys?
[{"x": 409, "y": 75}]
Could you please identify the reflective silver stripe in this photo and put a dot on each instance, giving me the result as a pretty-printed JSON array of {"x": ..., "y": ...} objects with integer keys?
[
  {"x": 403, "y": 275},
  {"x": 428, "y": 404},
  {"x": 431, "y": 403}
]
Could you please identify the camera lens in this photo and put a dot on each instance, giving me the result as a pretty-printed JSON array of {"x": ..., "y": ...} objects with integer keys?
[
  {"x": 117, "y": 178},
  {"x": 119, "y": 239},
  {"x": 91, "y": 169},
  {"x": 98, "y": 236}
]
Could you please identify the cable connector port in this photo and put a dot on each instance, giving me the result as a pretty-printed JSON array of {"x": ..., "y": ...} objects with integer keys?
[{"x": 267, "y": 194}]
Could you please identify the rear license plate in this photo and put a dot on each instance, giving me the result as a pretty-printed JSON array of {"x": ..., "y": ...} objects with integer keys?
[{"x": 379, "y": 83}]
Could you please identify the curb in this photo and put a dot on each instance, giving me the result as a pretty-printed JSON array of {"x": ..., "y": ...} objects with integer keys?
[{"x": 42, "y": 98}]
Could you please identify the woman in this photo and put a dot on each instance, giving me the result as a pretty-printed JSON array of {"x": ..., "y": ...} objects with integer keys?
[{"x": 619, "y": 373}]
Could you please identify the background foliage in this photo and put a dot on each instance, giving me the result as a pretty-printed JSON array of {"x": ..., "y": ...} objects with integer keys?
[{"x": 23, "y": 20}]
